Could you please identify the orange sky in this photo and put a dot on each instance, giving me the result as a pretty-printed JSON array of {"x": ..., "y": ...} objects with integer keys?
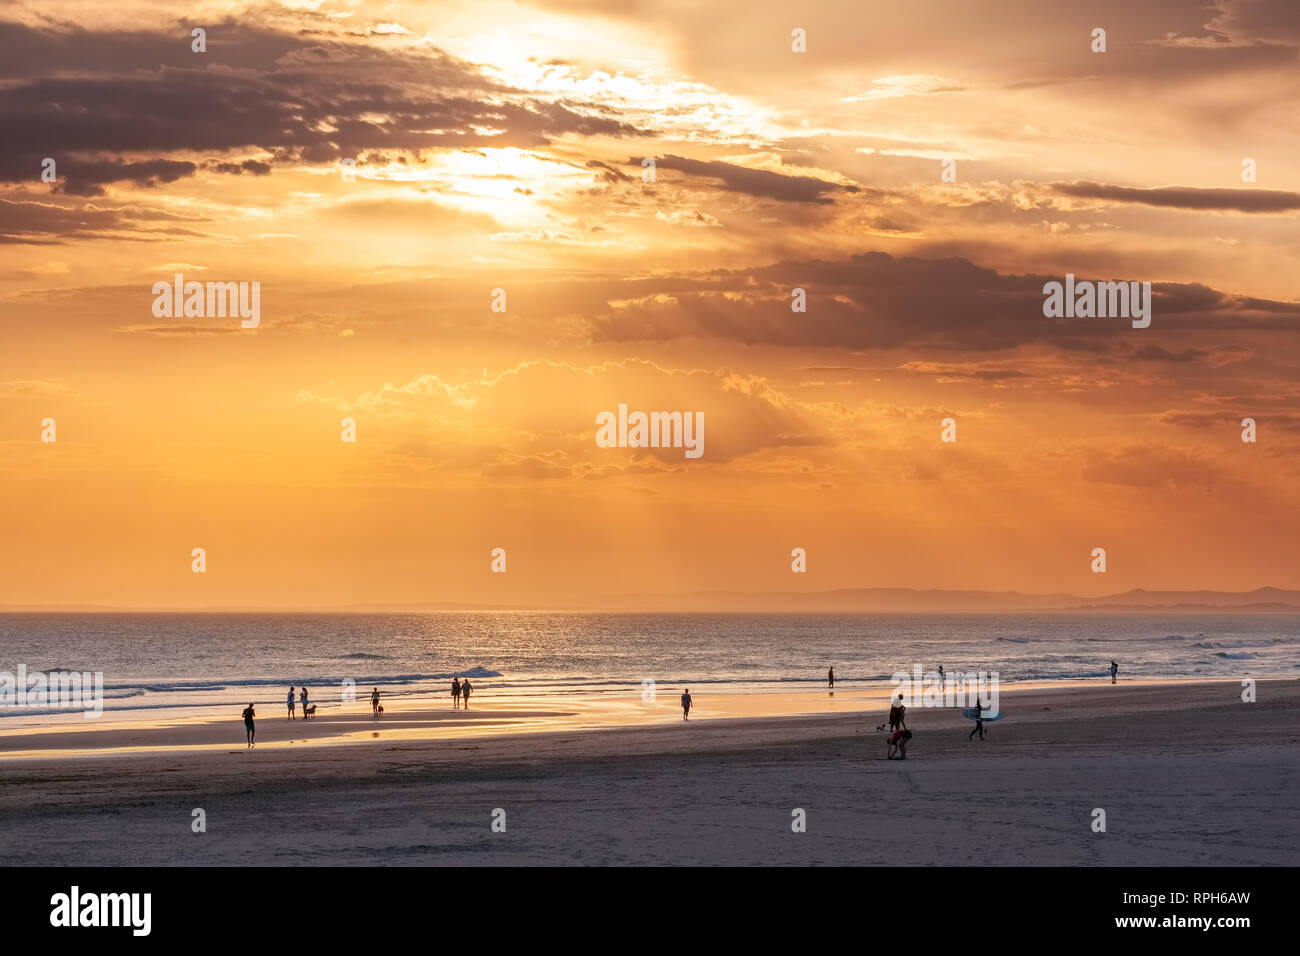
[{"x": 500, "y": 146}]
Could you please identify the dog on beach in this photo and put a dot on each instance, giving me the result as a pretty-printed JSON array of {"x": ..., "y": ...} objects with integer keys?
[
  {"x": 380, "y": 711},
  {"x": 310, "y": 710}
]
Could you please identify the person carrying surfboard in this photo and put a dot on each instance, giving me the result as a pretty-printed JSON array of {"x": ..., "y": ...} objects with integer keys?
[{"x": 979, "y": 720}]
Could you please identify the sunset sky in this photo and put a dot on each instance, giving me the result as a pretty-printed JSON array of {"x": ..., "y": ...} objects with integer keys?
[{"x": 499, "y": 145}]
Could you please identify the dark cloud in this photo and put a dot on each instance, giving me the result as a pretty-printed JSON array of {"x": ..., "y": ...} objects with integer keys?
[
  {"x": 84, "y": 177},
  {"x": 1230, "y": 423},
  {"x": 47, "y": 222},
  {"x": 1186, "y": 197},
  {"x": 1261, "y": 21},
  {"x": 608, "y": 173},
  {"x": 251, "y": 166},
  {"x": 110, "y": 107},
  {"x": 753, "y": 182},
  {"x": 66, "y": 49},
  {"x": 1154, "y": 353},
  {"x": 875, "y": 300}
]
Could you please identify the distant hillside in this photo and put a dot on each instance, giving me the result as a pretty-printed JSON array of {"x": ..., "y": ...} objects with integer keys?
[
  {"x": 869, "y": 600},
  {"x": 843, "y": 601}
]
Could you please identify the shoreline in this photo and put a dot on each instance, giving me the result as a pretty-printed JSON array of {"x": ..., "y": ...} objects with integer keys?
[
  {"x": 413, "y": 720},
  {"x": 1187, "y": 774}
]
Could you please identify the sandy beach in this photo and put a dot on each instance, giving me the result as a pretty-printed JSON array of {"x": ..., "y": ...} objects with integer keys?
[{"x": 1187, "y": 775}]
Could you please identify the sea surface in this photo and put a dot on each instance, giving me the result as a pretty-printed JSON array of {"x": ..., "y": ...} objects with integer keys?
[{"x": 178, "y": 662}]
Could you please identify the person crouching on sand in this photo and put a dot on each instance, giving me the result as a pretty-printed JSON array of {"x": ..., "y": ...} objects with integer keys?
[
  {"x": 898, "y": 744},
  {"x": 686, "y": 705}
]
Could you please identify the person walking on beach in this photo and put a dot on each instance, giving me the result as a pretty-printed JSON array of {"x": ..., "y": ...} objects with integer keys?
[
  {"x": 374, "y": 702},
  {"x": 942, "y": 679},
  {"x": 302, "y": 699},
  {"x": 291, "y": 703},
  {"x": 248, "y": 723},
  {"x": 979, "y": 720},
  {"x": 455, "y": 691},
  {"x": 464, "y": 691},
  {"x": 830, "y": 677},
  {"x": 1114, "y": 669},
  {"x": 896, "y": 715},
  {"x": 686, "y": 705}
]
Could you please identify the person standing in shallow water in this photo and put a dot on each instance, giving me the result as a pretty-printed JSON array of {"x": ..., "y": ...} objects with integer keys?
[
  {"x": 1114, "y": 669},
  {"x": 455, "y": 692}
]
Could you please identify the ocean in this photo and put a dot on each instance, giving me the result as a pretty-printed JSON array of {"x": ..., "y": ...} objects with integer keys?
[{"x": 180, "y": 662}]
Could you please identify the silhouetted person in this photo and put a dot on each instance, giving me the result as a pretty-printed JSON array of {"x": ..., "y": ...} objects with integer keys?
[
  {"x": 979, "y": 720},
  {"x": 896, "y": 715},
  {"x": 374, "y": 702},
  {"x": 465, "y": 690},
  {"x": 302, "y": 699},
  {"x": 686, "y": 705},
  {"x": 290, "y": 702},
  {"x": 1114, "y": 669},
  {"x": 248, "y": 722},
  {"x": 455, "y": 691},
  {"x": 830, "y": 677}
]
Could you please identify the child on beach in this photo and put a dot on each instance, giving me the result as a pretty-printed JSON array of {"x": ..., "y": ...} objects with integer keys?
[
  {"x": 898, "y": 745},
  {"x": 248, "y": 723}
]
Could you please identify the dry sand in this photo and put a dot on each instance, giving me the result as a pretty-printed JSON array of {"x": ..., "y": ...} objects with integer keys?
[{"x": 1186, "y": 773}]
